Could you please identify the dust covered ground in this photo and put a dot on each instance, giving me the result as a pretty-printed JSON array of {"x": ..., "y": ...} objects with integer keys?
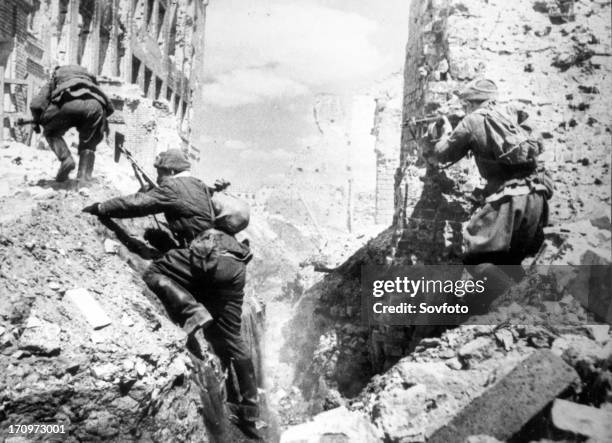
[{"x": 129, "y": 380}]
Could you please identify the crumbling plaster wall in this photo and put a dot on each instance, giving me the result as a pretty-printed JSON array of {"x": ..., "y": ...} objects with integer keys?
[
  {"x": 387, "y": 131},
  {"x": 551, "y": 70},
  {"x": 558, "y": 72}
]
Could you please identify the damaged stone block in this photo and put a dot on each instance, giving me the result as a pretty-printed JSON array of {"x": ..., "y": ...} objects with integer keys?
[
  {"x": 337, "y": 425},
  {"x": 506, "y": 407},
  {"x": 89, "y": 307},
  {"x": 582, "y": 420},
  {"x": 40, "y": 337}
]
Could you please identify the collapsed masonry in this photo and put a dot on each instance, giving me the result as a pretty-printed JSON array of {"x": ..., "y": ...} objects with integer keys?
[
  {"x": 82, "y": 341},
  {"x": 452, "y": 42},
  {"x": 559, "y": 71}
]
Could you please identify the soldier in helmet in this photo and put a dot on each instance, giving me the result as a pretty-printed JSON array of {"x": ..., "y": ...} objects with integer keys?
[
  {"x": 201, "y": 276},
  {"x": 72, "y": 98}
]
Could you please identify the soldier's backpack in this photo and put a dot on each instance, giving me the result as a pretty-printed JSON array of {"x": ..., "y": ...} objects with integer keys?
[
  {"x": 512, "y": 147},
  {"x": 232, "y": 214}
]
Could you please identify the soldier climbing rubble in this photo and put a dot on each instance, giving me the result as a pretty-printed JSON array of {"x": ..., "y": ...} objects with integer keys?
[
  {"x": 72, "y": 98},
  {"x": 200, "y": 278},
  {"x": 509, "y": 225}
]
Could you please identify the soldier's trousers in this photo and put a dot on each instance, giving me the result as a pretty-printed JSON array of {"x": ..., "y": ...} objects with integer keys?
[
  {"x": 87, "y": 115},
  {"x": 221, "y": 292},
  {"x": 506, "y": 231}
]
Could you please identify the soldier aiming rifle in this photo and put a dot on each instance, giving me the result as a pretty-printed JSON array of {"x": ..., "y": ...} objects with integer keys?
[{"x": 509, "y": 226}]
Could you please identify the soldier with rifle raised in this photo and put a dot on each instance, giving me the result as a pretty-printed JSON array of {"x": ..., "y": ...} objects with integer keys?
[{"x": 509, "y": 225}]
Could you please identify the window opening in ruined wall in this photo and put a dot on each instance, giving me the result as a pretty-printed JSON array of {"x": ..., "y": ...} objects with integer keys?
[
  {"x": 135, "y": 69},
  {"x": 86, "y": 9},
  {"x": 150, "y": 4},
  {"x": 160, "y": 20},
  {"x": 158, "y": 87},
  {"x": 106, "y": 28},
  {"x": 172, "y": 36},
  {"x": 148, "y": 75}
]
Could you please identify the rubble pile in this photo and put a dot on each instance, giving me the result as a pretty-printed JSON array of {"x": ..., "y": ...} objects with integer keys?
[
  {"x": 82, "y": 342},
  {"x": 447, "y": 371},
  {"x": 557, "y": 69}
]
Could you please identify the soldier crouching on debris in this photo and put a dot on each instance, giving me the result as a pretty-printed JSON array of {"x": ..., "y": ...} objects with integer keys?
[
  {"x": 509, "y": 226},
  {"x": 200, "y": 280},
  {"x": 72, "y": 98}
]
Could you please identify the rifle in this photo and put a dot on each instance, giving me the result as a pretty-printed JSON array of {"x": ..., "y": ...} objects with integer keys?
[
  {"x": 411, "y": 124},
  {"x": 22, "y": 121},
  {"x": 31, "y": 121},
  {"x": 140, "y": 173}
]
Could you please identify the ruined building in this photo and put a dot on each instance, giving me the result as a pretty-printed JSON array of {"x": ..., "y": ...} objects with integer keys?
[{"x": 150, "y": 44}]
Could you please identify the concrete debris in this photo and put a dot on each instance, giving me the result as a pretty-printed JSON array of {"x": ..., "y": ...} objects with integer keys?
[
  {"x": 105, "y": 371},
  {"x": 41, "y": 338},
  {"x": 336, "y": 425},
  {"x": 454, "y": 363},
  {"x": 582, "y": 420},
  {"x": 111, "y": 246},
  {"x": 89, "y": 307},
  {"x": 478, "y": 349},
  {"x": 505, "y": 338},
  {"x": 599, "y": 333},
  {"x": 85, "y": 192},
  {"x": 509, "y": 404}
]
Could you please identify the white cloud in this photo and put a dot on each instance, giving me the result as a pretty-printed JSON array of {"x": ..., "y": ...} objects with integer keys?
[
  {"x": 274, "y": 49},
  {"x": 251, "y": 85},
  {"x": 265, "y": 155},
  {"x": 237, "y": 145}
]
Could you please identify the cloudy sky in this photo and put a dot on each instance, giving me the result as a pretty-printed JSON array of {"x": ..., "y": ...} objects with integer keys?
[{"x": 266, "y": 60}]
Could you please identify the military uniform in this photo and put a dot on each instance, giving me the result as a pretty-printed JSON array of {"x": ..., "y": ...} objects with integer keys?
[
  {"x": 184, "y": 200},
  {"x": 510, "y": 225},
  {"x": 201, "y": 280},
  {"x": 72, "y": 98}
]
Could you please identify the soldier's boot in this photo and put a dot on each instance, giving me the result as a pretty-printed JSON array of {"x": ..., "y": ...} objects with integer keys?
[
  {"x": 59, "y": 147},
  {"x": 87, "y": 158},
  {"x": 246, "y": 414},
  {"x": 497, "y": 282},
  {"x": 183, "y": 309}
]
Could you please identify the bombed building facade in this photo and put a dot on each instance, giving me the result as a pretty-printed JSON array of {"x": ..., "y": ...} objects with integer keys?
[{"x": 150, "y": 44}]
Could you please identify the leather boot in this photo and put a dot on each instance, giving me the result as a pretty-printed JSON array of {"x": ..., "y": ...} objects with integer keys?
[
  {"x": 180, "y": 304},
  {"x": 246, "y": 414},
  {"x": 59, "y": 147},
  {"x": 87, "y": 158},
  {"x": 497, "y": 282}
]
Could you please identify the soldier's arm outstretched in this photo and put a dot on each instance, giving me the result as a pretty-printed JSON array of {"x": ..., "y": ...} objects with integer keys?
[{"x": 139, "y": 204}]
